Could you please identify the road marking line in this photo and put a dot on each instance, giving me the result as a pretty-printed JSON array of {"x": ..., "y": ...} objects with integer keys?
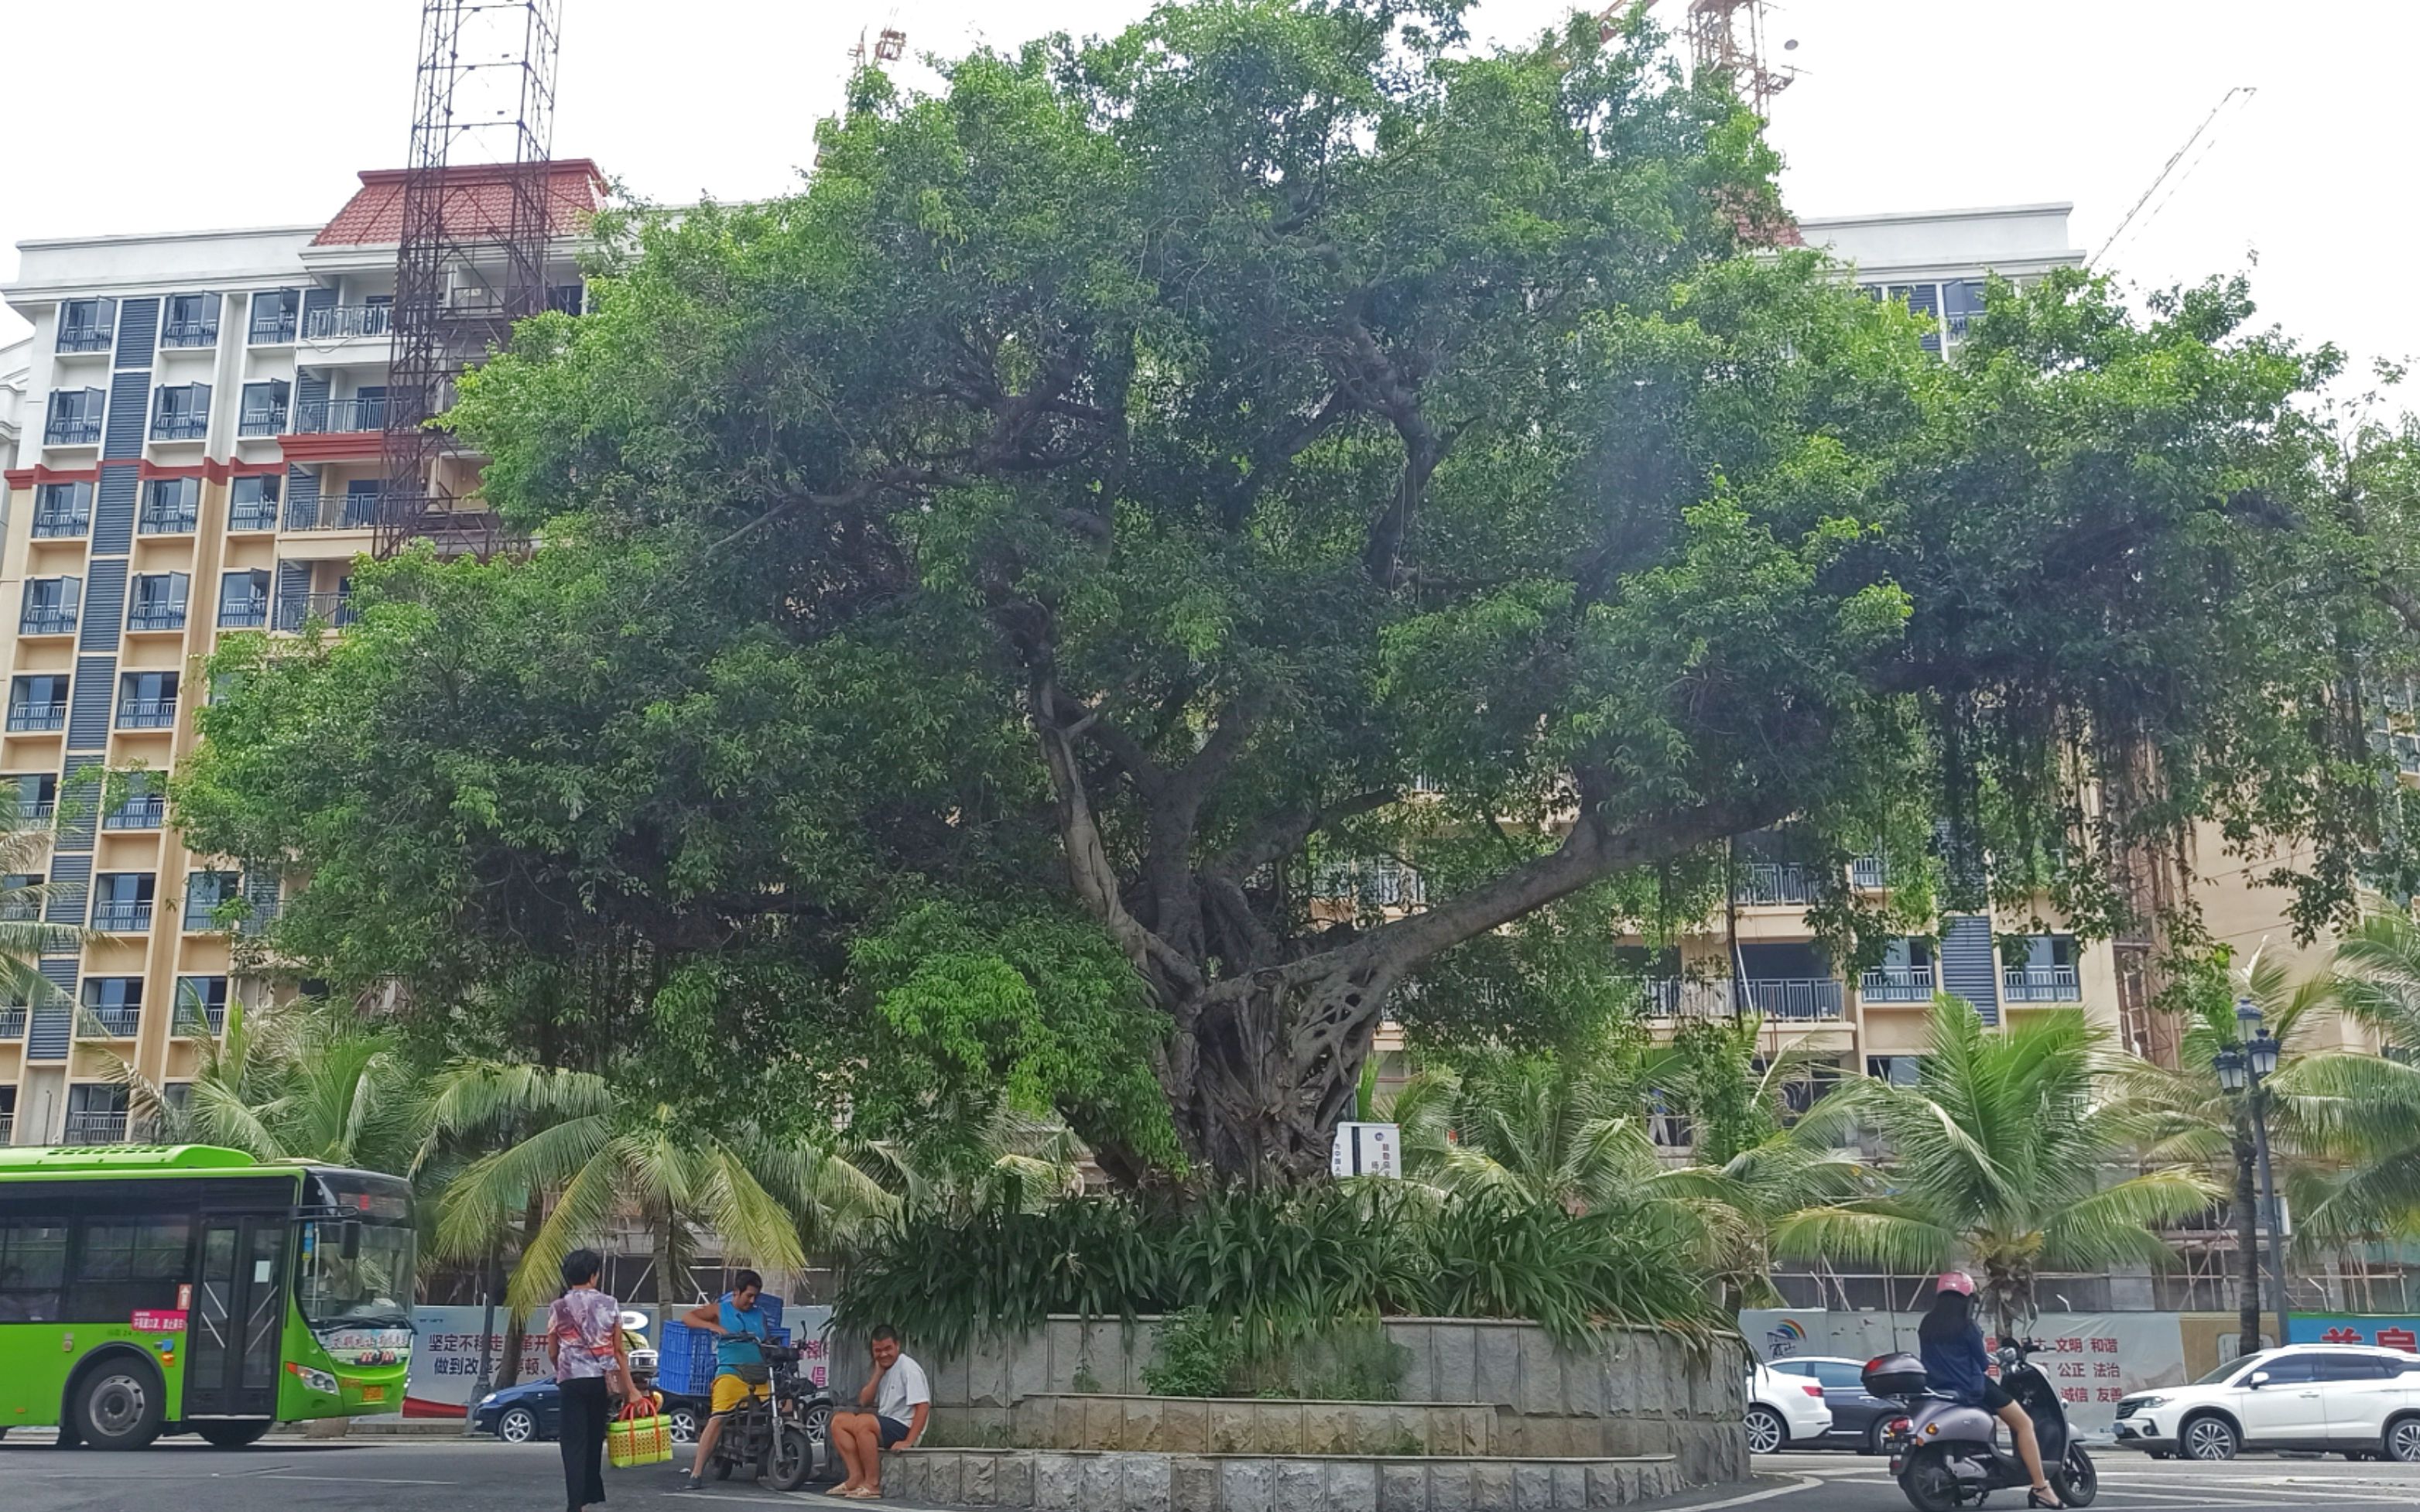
[
  {"x": 1801, "y": 1483},
  {"x": 366, "y": 1480}
]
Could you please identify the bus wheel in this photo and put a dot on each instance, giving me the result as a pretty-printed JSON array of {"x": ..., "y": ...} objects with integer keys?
[
  {"x": 232, "y": 1434},
  {"x": 117, "y": 1404}
]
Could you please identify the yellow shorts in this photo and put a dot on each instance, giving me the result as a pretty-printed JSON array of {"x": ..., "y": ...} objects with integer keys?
[{"x": 730, "y": 1391}]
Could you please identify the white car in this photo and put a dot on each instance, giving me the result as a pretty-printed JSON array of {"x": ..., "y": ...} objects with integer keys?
[
  {"x": 1783, "y": 1411},
  {"x": 2362, "y": 1403}
]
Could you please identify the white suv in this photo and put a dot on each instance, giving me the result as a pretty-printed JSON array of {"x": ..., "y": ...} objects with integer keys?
[
  {"x": 2362, "y": 1403},
  {"x": 1783, "y": 1411}
]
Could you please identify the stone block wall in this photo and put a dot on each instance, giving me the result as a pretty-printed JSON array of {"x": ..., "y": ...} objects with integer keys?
[{"x": 1046, "y": 1481}]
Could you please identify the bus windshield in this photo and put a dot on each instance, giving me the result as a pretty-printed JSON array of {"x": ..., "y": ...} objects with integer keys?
[{"x": 371, "y": 1288}]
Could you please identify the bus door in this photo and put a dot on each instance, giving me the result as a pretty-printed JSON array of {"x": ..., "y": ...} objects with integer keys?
[{"x": 238, "y": 1319}]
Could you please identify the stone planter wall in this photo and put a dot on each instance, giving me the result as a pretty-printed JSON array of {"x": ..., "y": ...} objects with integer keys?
[{"x": 1042, "y": 1481}]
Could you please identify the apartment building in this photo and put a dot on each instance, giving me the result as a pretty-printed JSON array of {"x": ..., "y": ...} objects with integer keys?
[{"x": 200, "y": 455}]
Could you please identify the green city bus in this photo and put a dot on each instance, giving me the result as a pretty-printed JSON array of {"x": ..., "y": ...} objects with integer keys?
[{"x": 149, "y": 1289}]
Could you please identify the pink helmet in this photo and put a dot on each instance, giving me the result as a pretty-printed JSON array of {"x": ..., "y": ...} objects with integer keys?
[{"x": 1957, "y": 1281}]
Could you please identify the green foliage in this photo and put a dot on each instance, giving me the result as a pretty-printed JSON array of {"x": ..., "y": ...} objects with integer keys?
[
  {"x": 1267, "y": 1270},
  {"x": 1202, "y": 1354},
  {"x": 1198, "y": 1356}
]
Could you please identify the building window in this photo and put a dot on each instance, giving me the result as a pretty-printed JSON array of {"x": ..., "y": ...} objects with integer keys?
[
  {"x": 38, "y": 701},
  {"x": 50, "y": 607},
  {"x": 190, "y": 320},
  {"x": 158, "y": 602},
  {"x": 147, "y": 701},
  {"x": 1899, "y": 1071},
  {"x": 205, "y": 891},
  {"x": 172, "y": 506},
  {"x": 243, "y": 599},
  {"x": 18, "y": 904},
  {"x": 38, "y": 797},
  {"x": 263, "y": 411},
  {"x": 75, "y": 417},
  {"x": 181, "y": 413},
  {"x": 96, "y": 1115},
  {"x": 274, "y": 312},
  {"x": 2042, "y": 970},
  {"x": 571, "y": 298},
  {"x": 361, "y": 502},
  {"x": 62, "y": 509},
  {"x": 141, "y": 807},
  {"x": 87, "y": 325},
  {"x": 252, "y": 502},
  {"x": 202, "y": 1000},
  {"x": 122, "y": 905}
]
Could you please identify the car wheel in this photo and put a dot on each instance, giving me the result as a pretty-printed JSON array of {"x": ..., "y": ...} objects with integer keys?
[
  {"x": 1874, "y": 1432},
  {"x": 117, "y": 1405},
  {"x": 2209, "y": 1437},
  {"x": 683, "y": 1423},
  {"x": 232, "y": 1435},
  {"x": 1766, "y": 1433},
  {"x": 518, "y": 1425},
  {"x": 2402, "y": 1441}
]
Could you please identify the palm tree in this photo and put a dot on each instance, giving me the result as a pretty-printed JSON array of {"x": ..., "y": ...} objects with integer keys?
[
  {"x": 575, "y": 1162},
  {"x": 2363, "y": 1110},
  {"x": 2185, "y": 1117},
  {"x": 1997, "y": 1155}
]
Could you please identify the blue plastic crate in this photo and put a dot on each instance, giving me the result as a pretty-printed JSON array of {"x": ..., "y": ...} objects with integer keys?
[{"x": 685, "y": 1358}]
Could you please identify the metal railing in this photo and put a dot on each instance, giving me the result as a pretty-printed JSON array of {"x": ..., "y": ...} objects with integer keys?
[
  {"x": 249, "y": 615},
  {"x": 1869, "y": 871},
  {"x": 190, "y": 333},
  {"x": 329, "y": 609},
  {"x": 2040, "y": 985},
  {"x": 1897, "y": 984},
  {"x": 1794, "y": 998},
  {"x": 71, "y": 430},
  {"x": 253, "y": 515},
  {"x": 141, "y": 618},
  {"x": 95, "y": 1128},
  {"x": 271, "y": 333},
  {"x": 86, "y": 338},
  {"x": 184, "y": 425},
  {"x": 147, "y": 813},
  {"x": 12, "y": 1023},
  {"x": 117, "y": 1022},
  {"x": 1676, "y": 997},
  {"x": 348, "y": 511},
  {"x": 146, "y": 714},
  {"x": 341, "y": 322},
  {"x": 122, "y": 918},
  {"x": 268, "y": 420},
  {"x": 180, "y": 520},
  {"x": 324, "y": 416},
  {"x": 1762, "y": 882},
  {"x": 38, "y": 813},
  {"x": 52, "y": 523},
  {"x": 199, "y": 910},
  {"x": 209, "y": 1020},
  {"x": 37, "y": 716},
  {"x": 46, "y": 619}
]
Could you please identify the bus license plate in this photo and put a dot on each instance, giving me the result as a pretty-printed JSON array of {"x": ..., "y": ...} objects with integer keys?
[{"x": 374, "y": 1394}]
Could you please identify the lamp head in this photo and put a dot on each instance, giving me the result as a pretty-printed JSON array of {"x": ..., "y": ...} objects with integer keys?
[
  {"x": 2262, "y": 1051},
  {"x": 2247, "y": 1018},
  {"x": 2228, "y": 1063}
]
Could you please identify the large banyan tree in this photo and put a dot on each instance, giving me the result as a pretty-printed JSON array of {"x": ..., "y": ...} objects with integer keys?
[{"x": 1008, "y": 583}]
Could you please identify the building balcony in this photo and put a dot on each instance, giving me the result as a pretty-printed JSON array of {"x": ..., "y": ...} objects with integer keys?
[
  {"x": 122, "y": 918},
  {"x": 275, "y": 331},
  {"x": 146, "y": 714},
  {"x": 143, "y": 618},
  {"x": 269, "y": 421},
  {"x": 149, "y": 812},
  {"x": 253, "y": 515},
  {"x": 178, "y": 333},
  {"x": 1794, "y": 998},
  {"x": 181, "y": 427},
  {"x": 1761, "y": 884},
  {"x": 250, "y": 615},
  {"x": 347, "y": 322},
  {"x": 12, "y": 1023},
  {"x": 117, "y": 1022},
  {"x": 72, "y": 430},
  {"x": 1869, "y": 872},
  {"x": 95, "y": 1128},
  {"x": 86, "y": 338},
  {"x": 337, "y": 512},
  {"x": 327, "y": 608},
  {"x": 2040, "y": 985},
  {"x": 53, "y": 525},
  {"x": 37, "y": 815},
  {"x": 170, "y": 521},
  {"x": 1897, "y": 984},
  {"x": 209, "y": 1020},
  {"x": 25, "y": 716},
  {"x": 321, "y": 417},
  {"x": 46, "y": 620},
  {"x": 1678, "y": 997}
]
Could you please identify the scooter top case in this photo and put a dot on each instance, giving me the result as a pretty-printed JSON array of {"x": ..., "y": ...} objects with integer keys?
[{"x": 1896, "y": 1375}]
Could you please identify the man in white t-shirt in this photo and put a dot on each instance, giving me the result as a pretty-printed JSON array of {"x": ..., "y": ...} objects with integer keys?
[{"x": 891, "y": 1411}]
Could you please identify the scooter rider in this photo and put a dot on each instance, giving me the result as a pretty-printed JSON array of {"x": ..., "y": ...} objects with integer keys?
[
  {"x": 739, "y": 1371},
  {"x": 1957, "y": 1362}
]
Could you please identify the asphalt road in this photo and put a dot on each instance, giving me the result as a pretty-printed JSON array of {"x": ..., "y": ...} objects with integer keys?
[{"x": 449, "y": 1476}]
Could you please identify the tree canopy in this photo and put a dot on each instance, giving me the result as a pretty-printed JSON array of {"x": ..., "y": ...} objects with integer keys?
[{"x": 989, "y": 597}]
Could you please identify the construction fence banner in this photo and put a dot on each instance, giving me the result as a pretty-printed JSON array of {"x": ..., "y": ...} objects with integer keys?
[
  {"x": 2350, "y": 1328},
  {"x": 450, "y": 1351},
  {"x": 2093, "y": 1359}
]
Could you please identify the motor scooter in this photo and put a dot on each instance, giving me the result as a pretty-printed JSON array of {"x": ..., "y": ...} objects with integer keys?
[{"x": 1945, "y": 1455}]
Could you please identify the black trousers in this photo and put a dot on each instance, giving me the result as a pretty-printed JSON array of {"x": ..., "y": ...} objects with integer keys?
[{"x": 582, "y": 1437}]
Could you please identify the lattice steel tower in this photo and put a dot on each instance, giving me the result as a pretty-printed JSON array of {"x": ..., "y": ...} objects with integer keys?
[{"x": 471, "y": 258}]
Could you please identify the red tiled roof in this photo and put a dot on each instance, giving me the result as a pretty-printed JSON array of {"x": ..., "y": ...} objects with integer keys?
[{"x": 478, "y": 203}]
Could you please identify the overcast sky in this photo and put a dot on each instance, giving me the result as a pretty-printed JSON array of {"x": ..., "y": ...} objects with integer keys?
[{"x": 173, "y": 115}]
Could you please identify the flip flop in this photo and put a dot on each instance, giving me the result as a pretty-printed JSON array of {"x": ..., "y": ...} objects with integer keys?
[
  {"x": 842, "y": 1489},
  {"x": 863, "y": 1493}
]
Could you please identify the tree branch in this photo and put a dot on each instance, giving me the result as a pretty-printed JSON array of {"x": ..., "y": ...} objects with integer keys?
[{"x": 1283, "y": 832}]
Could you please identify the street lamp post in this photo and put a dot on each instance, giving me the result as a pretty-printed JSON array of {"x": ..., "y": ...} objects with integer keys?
[{"x": 2241, "y": 1067}]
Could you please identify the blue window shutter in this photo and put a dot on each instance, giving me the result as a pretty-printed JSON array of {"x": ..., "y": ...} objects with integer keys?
[
  {"x": 138, "y": 332},
  {"x": 113, "y": 515},
  {"x": 302, "y": 490},
  {"x": 71, "y": 882},
  {"x": 314, "y": 301},
  {"x": 1967, "y": 968},
  {"x": 104, "y": 605},
  {"x": 129, "y": 415},
  {"x": 311, "y": 388},
  {"x": 89, "y": 703}
]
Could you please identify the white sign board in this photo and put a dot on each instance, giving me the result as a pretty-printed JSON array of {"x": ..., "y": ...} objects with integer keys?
[{"x": 1366, "y": 1149}]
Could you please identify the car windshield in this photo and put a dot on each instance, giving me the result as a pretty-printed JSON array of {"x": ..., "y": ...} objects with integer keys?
[
  {"x": 2228, "y": 1370},
  {"x": 370, "y": 1289}
]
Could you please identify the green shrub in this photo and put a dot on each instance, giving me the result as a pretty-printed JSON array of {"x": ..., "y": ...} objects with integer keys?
[{"x": 1199, "y": 1356}]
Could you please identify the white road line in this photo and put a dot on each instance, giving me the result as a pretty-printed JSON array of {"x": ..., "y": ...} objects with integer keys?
[
  {"x": 1803, "y": 1483},
  {"x": 363, "y": 1480}
]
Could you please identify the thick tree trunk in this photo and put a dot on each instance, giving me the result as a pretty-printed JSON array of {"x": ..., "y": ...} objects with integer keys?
[{"x": 2247, "y": 1250}]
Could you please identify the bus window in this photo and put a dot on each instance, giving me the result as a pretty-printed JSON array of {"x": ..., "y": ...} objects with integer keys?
[
  {"x": 130, "y": 1264},
  {"x": 32, "y": 1265}
]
